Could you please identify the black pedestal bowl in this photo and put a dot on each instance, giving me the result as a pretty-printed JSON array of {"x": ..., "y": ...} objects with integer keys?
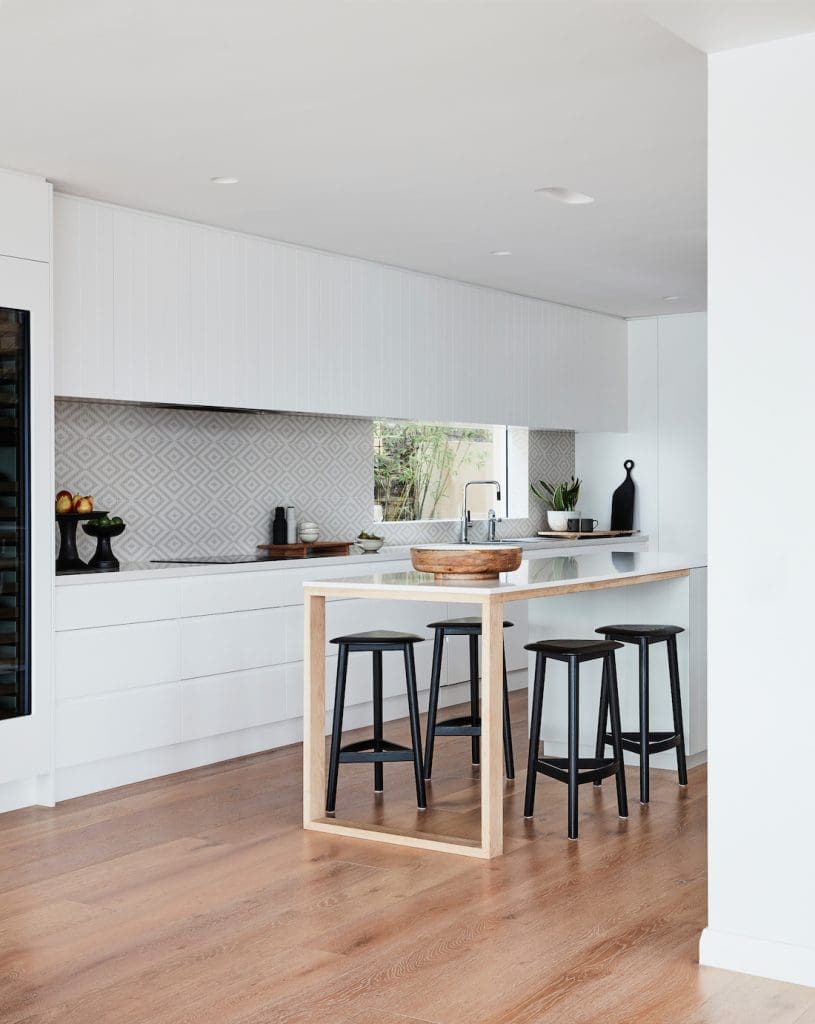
[{"x": 103, "y": 559}]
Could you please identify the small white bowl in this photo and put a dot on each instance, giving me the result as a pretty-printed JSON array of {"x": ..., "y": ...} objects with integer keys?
[
  {"x": 308, "y": 532},
  {"x": 369, "y": 547}
]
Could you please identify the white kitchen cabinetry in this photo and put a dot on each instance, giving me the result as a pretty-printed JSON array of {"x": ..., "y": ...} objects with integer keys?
[
  {"x": 153, "y": 309},
  {"x": 666, "y": 438},
  {"x": 196, "y": 667},
  {"x": 25, "y": 217},
  {"x": 160, "y": 675}
]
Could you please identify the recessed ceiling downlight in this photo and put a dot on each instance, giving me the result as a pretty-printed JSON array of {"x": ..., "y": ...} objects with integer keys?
[
  {"x": 565, "y": 195},
  {"x": 670, "y": 298},
  {"x": 224, "y": 181},
  {"x": 501, "y": 252}
]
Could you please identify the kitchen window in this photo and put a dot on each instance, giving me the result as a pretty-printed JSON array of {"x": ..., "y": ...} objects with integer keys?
[{"x": 420, "y": 470}]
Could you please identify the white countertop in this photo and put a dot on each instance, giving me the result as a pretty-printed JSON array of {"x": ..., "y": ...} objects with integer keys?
[
  {"x": 131, "y": 571},
  {"x": 537, "y": 574}
]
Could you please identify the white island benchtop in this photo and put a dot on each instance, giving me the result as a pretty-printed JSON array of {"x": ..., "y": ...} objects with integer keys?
[{"x": 538, "y": 577}]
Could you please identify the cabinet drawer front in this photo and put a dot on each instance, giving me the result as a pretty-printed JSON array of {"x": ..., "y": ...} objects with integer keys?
[
  {"x": 226, "y": 703},
  {"x": 96, "y": 728},
  {"x": 213, "y": 644},
  {"x": 90, "y": 661},
  {"x": 248, "y": 591},
  {"x": 110, "y": 604}
]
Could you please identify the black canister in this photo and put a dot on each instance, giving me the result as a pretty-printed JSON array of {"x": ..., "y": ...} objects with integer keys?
[{"x": 279, "y": 526}]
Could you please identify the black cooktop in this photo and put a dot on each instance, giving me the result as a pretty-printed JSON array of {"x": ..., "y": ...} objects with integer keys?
[{"x": 215, "y": 560}]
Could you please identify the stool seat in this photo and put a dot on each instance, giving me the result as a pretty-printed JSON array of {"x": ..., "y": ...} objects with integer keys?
[
  {"x": 583, "y": 650},
  {"x": 653, "y": 634},
  {"x": 377, "y": 637},
  {"x": 468, "y": 625}
]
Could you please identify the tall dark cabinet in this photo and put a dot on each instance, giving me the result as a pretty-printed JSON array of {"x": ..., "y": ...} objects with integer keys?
[{"x": 15, "y": 526}]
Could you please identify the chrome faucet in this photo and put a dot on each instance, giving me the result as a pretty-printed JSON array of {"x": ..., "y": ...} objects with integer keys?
[
  {"x": 492, "y": 522},
  {"x": 464, "y": 533}
]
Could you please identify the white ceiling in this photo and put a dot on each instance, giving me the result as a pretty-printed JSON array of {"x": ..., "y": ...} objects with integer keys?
[
  {"x": 413, "y": 132},
  {"x": 714, "y": 25}
]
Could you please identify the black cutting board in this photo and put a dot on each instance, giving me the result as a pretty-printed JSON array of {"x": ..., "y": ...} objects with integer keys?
[{"x": 622, "y": 501}]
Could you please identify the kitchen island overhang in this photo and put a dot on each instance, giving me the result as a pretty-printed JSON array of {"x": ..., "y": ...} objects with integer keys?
[{"x": 537, "y": 578}]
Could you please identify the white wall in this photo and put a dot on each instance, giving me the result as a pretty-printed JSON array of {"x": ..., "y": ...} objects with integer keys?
[
  {"x": 762, "y": 370},
  {"x": 666, "y": 436}
]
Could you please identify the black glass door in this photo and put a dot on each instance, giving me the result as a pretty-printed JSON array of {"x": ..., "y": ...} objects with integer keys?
[{"x": 15, "y": 545}]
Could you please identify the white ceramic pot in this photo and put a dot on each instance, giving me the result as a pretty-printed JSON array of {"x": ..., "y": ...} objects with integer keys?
[{"x": 557, "y": 520}]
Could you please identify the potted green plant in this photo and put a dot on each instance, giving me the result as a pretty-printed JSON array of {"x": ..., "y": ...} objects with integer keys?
[{"x": 561, "y": 498}]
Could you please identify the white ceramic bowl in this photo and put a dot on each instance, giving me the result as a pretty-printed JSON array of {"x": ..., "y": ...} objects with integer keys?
[
  {"x": 369, "y": 546},
  {"x": 308, "y": 532}
]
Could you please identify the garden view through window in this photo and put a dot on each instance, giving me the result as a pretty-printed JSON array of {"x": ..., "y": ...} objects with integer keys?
[{"x": 420, "y": 469}]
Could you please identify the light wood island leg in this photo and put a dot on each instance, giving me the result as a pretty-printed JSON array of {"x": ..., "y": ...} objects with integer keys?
[
  {"x": 492, "y": 733},
  {"x": 314, "y": 755},
  {"x": 314, "y": 710}
]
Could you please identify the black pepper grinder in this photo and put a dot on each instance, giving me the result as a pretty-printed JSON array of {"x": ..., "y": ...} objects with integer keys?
[{"x": 279, "y": 526}]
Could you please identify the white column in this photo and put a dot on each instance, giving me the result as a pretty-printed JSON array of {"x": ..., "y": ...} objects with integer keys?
[{"x": 762, "y": 571}]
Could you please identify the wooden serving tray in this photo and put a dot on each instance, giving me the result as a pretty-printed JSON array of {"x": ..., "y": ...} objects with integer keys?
[
  {"x": 315, "y": 549},
  {"x": 569, "y": 535}
]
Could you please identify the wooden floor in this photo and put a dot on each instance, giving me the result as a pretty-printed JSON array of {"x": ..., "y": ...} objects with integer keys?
[{"x": 198, "y": 898}]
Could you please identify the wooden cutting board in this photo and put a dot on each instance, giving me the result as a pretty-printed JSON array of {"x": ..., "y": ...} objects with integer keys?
[
  {"x": 315, "y": 549},
  {"x": 569, "y": 535},
  {"x": 622, "y": 501}
]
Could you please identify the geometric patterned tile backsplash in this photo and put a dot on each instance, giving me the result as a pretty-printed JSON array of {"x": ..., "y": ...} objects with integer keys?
[{"x": 193, "y": 482}]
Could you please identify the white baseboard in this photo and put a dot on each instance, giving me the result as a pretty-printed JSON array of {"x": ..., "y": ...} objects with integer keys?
[
  {"x": 17, "y": 794},
  {"x": 79, "y": 780},
  {"x": 762, "y": 957}
]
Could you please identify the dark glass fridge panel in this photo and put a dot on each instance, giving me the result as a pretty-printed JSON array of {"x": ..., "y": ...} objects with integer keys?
[{"x": 15, "y": 552}]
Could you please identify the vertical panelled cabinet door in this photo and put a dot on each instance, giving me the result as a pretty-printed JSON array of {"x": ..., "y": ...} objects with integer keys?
[{"x": 153, "y": 309}]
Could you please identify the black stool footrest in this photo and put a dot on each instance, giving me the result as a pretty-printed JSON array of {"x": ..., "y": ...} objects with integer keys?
[
  {"x": 657, "y": 741},
  {"x": 462, "y": 726},
  {"x": 362, "y": 752},
  {"x": 590, "y": 769}
]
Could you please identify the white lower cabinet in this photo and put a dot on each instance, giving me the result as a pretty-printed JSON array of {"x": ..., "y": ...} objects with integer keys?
[
  {"x": 154, "y": 676},
  {"x": 113, "y": 725},
  {"x": 236, "y": 700},
  {"x": 110, "y": 658},
  {"x": 214, "y": 644}
]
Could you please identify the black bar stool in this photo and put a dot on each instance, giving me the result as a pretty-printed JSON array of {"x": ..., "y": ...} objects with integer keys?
[
  {"x": 575, "y": 770},
  {"x": 465, "y": 725},
  {"x": 376, "y": 750},
  {"x": 644, "y": 742}
]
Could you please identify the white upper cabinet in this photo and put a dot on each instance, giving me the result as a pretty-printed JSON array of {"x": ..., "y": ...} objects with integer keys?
[
  {"x": 25, "y": 217},
  {"x": 153, "y": 309}
]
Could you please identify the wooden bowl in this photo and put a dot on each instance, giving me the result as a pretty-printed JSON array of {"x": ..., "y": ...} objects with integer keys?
[{"x": 466, "y": 561}]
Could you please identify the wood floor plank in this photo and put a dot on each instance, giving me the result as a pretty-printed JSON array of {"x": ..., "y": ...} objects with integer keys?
[{"x": 199, "y": 898}]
